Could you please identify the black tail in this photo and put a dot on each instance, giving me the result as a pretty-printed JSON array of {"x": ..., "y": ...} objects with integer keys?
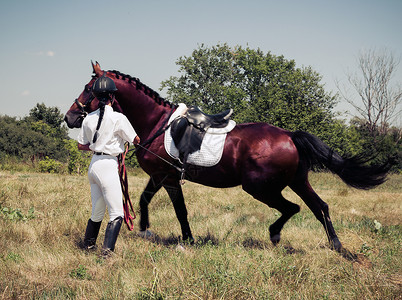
[{"x": 315, "y": 154}]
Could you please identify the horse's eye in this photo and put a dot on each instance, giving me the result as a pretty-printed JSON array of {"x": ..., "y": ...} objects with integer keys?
[{"x": 88, "y": 88}]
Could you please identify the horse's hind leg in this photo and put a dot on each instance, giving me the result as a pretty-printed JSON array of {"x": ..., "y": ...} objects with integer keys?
[
  {"x": 287, "y": 209},
  {"x": 319, "y": 209},
  {"x": 274, "y": 199},
  {"x": 150, "y": 190}
]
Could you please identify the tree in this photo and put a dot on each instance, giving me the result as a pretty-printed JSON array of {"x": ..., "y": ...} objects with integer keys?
[
  {"x": 48, "y": 120},
  {"x": 38, "y": 135},
  {"x": 259, "y": 87},
  {"x": 209, "y": 80},
  {"x": 50, "y": 115},
  {"x": 380, "y": 147},
  {"x": 379, "y": 100},
  {"x": 18, "y": 139}
]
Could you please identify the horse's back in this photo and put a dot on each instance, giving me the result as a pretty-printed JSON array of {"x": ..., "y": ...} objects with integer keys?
[
  {"x": 253, "y": 151},
  {"x": 262, "y": 140},
  {"x": 260, "y": 130}
]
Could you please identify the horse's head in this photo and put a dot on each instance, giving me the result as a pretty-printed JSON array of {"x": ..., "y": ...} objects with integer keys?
[{"x": 85, "y": 103}]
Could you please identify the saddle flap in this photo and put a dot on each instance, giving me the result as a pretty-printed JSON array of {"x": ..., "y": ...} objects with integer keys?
[
  {"x": 178, "y": 128},
  {"x": 186, "y": 137}
]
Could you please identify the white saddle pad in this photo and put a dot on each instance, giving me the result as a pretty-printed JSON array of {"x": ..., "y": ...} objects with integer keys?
[{"x": 212, "y": 145}]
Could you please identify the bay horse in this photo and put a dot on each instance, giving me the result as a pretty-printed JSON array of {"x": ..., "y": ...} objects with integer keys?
[{"x": 263, "y": 159}]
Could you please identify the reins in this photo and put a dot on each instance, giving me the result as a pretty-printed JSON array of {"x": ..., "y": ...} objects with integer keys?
[
  {"x": 160, "y": 131},
  {"x": 158, "y": 156},
  {"x": 127, "y": 205}
]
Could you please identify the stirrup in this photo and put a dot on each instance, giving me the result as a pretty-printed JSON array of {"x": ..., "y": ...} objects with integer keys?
[{"x": 181, "y": 181}]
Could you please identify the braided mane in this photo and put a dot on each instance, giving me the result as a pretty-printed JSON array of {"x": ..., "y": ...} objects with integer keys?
[{"x": 147, "y": 90}]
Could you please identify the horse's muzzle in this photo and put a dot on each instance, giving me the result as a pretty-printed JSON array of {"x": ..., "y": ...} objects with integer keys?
[{"x": 74, "y": 120}]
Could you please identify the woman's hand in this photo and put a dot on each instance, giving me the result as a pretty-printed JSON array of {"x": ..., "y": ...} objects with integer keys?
[
  {"x": 83, "y": 147},
  {"x": 136, "y": 140}
]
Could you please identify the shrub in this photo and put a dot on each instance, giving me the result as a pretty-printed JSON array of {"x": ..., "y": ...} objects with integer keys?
[{"x": 49, "y": 165}]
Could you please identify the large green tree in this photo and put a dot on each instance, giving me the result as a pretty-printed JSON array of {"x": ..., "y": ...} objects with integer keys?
[{"x": 258, "y": 86}]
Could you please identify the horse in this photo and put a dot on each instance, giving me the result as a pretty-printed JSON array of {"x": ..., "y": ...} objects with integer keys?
[{"x": 262, "y": 158}]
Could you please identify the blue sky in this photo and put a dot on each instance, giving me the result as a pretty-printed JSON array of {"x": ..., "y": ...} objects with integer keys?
[{"x": 47, "y": 46}]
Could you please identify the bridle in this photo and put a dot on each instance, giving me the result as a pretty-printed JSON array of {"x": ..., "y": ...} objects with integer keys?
[{"x": 83, "y": 107}]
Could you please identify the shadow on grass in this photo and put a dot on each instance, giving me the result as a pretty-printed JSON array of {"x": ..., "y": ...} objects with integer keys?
[
  {"x": 173, "y": 240},
  {"x": 249, "y": 243},
  {"x": 211, "y": 240},
  {"x": 358, "y": 260},
  {"x": 345, "y": 253},
  {"x": 252, "y": 243},
  {"x": 164, "y": 241}
]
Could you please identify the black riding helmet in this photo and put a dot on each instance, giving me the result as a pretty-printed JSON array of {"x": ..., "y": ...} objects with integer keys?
[{"x": 102, "y": 87}]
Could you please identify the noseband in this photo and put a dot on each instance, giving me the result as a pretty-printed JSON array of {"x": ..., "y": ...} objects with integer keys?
[{"x": 84, "y": 106}]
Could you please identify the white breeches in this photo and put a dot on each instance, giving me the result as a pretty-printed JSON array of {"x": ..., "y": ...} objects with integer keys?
[{"x": 105, "y": 188}]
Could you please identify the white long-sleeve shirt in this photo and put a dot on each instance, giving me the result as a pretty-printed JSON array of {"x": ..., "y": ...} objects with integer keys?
[{"x": 114, "y": 131}]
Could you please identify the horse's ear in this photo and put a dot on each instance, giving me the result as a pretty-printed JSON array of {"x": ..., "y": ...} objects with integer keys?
[{"x": 97, "y": 69}]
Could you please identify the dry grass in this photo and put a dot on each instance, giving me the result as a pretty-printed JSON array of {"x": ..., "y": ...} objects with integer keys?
[{"x": 46, "y": 216}]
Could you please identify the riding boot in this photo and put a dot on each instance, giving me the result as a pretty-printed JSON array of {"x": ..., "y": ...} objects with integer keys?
[
  {"x": 111, "y": 234},
  {"x": 91, "y": 234}
]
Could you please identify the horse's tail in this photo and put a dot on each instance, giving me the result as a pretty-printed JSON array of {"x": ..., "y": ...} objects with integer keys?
[{"x": 315, "y": 154}]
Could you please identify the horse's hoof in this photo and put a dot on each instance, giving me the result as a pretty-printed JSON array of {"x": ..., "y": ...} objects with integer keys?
[
  {"x": 146, "y": 234},
  {"x": 336, "y": 245},
  {"x": 275, "y": 239}
]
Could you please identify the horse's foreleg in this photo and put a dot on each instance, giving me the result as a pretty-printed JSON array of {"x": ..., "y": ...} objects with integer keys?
[
  {"x": 320, "y": 210},
  {"x": 176, "y": 195},
  {"x": 146, "y": 197}
]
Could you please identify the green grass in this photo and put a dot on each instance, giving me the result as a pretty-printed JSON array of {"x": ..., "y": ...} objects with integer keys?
[{"x": 43, "y": 217}]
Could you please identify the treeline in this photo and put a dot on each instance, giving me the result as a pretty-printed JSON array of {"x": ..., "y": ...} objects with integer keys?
[
  {"x": 259, "y": 87},
  {"x": 39, "y": 141},
  {"x": 34, "y": 137}
]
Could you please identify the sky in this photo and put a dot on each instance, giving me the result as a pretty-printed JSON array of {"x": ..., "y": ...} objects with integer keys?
[{"x": 47, "y": 46}]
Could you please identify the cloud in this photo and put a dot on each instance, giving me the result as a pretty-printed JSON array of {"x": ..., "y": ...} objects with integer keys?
[
  {"x": 26, "y": 93},
  {"x": 48, "y": 53}
]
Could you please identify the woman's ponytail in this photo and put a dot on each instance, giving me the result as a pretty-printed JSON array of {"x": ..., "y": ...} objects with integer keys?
[{"x": 101, "y": 113}]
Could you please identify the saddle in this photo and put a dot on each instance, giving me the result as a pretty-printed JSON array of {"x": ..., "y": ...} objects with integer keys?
[
  {"x": 189, "y": 130},
  {"x": 203, "y": 121}
]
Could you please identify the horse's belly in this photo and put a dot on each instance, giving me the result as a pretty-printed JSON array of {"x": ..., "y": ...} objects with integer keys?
[{"x": 219, "y": 176}]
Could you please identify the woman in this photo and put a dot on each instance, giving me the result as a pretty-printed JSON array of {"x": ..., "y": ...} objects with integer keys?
[{"x": 104, "y": 132}]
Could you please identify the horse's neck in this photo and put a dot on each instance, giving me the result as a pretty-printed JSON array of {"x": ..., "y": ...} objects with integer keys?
[{"x": 142, "y": 111}]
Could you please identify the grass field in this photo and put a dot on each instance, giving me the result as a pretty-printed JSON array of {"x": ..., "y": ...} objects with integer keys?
[{"x": 43, "y": 217}]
